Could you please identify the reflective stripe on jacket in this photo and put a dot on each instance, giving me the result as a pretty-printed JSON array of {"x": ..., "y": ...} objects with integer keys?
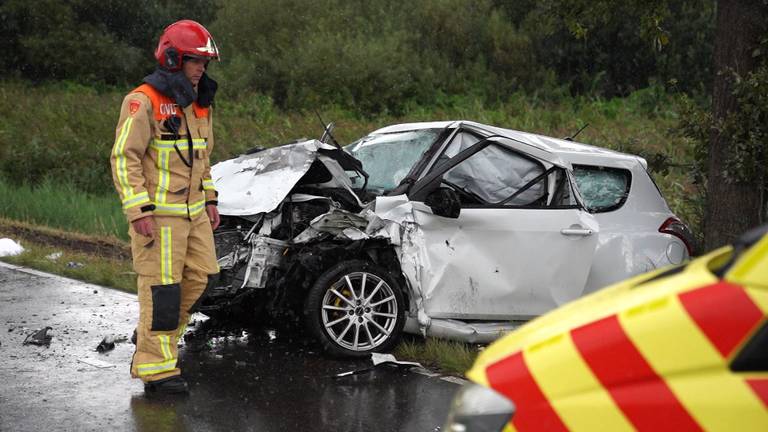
[{"x": 150, "y": 160}]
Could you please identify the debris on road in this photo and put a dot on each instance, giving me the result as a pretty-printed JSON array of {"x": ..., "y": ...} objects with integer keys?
[
  {"x": 39, "y": 337},
  {"x": 106, "y": 344},
  {"x": 96, "y": 363},
  {"x": 54, "y": 256},
  {"x": 9, "y": 247},
  {"x": 379, "y": 359}
]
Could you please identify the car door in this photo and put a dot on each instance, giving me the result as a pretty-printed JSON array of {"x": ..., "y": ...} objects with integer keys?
[{"x": 521, "y": 244}]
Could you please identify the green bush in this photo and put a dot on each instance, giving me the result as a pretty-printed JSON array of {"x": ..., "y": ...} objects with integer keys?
[
  {"x": 373, "y": 57},
  {"x": 88, "y": 41}
]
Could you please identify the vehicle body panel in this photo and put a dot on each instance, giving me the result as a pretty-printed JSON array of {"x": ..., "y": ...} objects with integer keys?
[
  {"x": 657, "y": 351},
  {"x": 478, "y": 268},
  {"x": 259, "y": 182},
  {"x": 631, "y": 231}
]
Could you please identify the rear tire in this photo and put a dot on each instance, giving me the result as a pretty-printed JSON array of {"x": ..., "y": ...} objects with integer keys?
[{"x": 354, "y": 309}]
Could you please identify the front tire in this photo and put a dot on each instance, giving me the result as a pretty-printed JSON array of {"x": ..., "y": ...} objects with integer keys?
[{"x": 354, "y": 309}]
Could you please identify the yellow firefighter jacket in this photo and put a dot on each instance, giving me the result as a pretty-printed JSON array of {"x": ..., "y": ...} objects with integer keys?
[{"x": 154, "y": 169}]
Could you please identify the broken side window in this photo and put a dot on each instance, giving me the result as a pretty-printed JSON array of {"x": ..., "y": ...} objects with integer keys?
[
  {"x": 603, "y": 189},
  {"x": 563, "y": 195},
  {"x": 389, "y": 157}
]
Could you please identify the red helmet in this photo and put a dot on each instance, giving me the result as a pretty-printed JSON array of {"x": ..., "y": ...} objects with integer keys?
[{"x": 184, "y": 38}]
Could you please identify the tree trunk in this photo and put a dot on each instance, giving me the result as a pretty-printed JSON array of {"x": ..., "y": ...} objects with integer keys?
[{"x": 732, "y": 208}]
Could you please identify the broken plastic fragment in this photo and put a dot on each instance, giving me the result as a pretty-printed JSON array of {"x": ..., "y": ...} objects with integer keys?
[
  {"x": 9, "y": 247},
  {"x": 54, "y": 256},
  {"x": 379, "y": 360},
  {"x": 106, "y": 344},
  {"x": 96, "y": 363},
  {"x": 39, "y": 337}
]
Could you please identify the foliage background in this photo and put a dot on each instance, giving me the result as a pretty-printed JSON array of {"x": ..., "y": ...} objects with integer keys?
[
  {"x": 370, "y": 57},
  {"x": 363, "y": 65}
]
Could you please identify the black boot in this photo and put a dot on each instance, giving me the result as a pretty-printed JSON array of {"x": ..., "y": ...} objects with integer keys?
[{"x": 170, "y": 385}]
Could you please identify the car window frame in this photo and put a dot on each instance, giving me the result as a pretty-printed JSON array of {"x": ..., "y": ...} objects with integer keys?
[{"x": 433, "y": 177}]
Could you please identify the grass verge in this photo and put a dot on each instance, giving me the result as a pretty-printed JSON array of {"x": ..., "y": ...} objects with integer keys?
[
  {"x": 450, "y": 357},
  {"x": 63, "y": 206}
]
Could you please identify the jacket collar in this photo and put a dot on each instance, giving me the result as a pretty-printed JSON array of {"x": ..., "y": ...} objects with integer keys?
[{"x": 177, "y": 87}]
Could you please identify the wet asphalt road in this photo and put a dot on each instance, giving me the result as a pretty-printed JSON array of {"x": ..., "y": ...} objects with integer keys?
[{"x": 238, "y": 381}]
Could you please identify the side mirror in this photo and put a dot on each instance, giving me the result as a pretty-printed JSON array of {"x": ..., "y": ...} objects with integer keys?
[{"x": 444, "y": 202}]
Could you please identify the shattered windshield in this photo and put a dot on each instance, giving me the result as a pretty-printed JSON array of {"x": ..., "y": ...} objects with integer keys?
[{"x": 387, "y": 158}]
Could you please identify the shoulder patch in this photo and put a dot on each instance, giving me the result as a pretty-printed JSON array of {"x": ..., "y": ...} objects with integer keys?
[{"x": 134, "y": 106}]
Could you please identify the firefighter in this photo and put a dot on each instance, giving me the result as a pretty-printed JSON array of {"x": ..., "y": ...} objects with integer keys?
[{"x": 161, "y": 170}]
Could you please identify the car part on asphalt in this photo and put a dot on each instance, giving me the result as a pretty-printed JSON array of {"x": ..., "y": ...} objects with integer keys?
[
  {"x": 106, "y": 344},
  {"x": 96, "y": 363},
  {"x": 39, "y": 337},
  {"x": 379, "y": 360},
  {"x": 109, "y": 341}
]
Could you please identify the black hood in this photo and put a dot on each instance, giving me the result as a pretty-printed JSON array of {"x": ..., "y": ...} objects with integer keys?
[{"x": 177, "y": 87}]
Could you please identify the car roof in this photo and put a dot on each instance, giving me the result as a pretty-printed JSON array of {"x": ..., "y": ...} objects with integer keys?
[{"x": 574, "y": 151}]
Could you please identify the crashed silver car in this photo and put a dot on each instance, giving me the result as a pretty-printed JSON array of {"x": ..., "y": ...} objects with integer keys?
[{"x": 450, "y": 229}]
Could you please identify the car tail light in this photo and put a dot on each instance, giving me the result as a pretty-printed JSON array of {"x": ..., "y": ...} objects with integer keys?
[{"x": 680, "y": 230}]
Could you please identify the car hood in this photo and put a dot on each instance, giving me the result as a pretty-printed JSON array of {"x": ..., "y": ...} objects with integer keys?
[
  {"x": 257, "y": 183},
  {"x": 638, "y": 292}
]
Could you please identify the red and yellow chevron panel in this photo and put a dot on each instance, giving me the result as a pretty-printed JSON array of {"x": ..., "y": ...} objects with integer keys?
[
  {"x": 724, "y": 312},
  {"x": 658, "y": 366},
  {"x": 641, "y": 394},
  {"x": 517, "y": 383},
  {"x": 760, "y": 386}
]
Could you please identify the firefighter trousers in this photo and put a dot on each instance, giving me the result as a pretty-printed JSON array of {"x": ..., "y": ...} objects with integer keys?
[{"x": 173, "y": 271}]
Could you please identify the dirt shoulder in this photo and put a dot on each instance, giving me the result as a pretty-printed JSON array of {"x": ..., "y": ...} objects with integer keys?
[{"x": 106, "y": 247}]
